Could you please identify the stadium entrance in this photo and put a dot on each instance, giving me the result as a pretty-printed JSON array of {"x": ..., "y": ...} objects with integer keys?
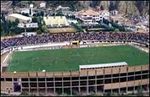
[
  {"x": 17, "y": 85},
  {"x": 75, "y": 43}
]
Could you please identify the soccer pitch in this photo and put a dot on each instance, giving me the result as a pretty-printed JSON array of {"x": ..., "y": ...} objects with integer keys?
[{"x": 70, "y": 59}]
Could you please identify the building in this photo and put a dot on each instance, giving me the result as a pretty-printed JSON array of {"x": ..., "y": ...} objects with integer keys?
[
  {"x": 100, "y": 79},
  {"x": 58, "y": 24},
  {"x": 62, "y": 8},
  {"x": 122, "y": 80},
  {"x": 91, "y": 16},
  {"x": 21, "y": 18},
  {"x": 42, "y": 4},
  {"x": 114, "y": 12},
  {"x": 72, "y": 21},
  {"x": 28, "y": 25},
  {"x": 25, "y": 10},
  {"x": 88, "y": 16},
  {"x": 56, "y": 21},
  {"x": 65, "y": 11},
  {"x": 104, "y": 14}
]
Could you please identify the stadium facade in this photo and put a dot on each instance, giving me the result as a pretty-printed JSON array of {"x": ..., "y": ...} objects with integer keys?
[{"x": 122, "y": 79}]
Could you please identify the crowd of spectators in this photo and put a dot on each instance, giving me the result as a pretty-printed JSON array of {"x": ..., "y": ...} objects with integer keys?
[
  {"x": 61, "y": 37},
  {"x": 140, "y": 19}
]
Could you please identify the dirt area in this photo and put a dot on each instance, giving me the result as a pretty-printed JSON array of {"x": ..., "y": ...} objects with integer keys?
[
  {"x": 3, "y": 57},
  {"x": 60, "y": 30},
  {"x": 4, "y": 60}
]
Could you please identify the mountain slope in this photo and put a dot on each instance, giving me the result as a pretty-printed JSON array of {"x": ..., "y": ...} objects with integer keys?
[{"x": 125, "y": 7}]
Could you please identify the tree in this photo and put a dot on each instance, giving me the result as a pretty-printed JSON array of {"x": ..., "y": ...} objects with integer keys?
[
  {"x": 42, "y": 13},
  {"x": 34, "y": 20},
  {"x": 44, "y": 29},
  {"x": 13, "y": 27},
  {"x": 17, "y": 21},
  {"x": 1, "y": 30},
  {"x": 78, "y": 27},
  {"x": 26, "y": 14}
]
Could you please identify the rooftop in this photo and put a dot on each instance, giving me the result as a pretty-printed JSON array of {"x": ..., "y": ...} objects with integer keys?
[
  {"x": 103, "y": 65},
  {"x": 88, "y": 12},
  {"x": 56, "y": 20},
  {"x": 19, "y": 16}
]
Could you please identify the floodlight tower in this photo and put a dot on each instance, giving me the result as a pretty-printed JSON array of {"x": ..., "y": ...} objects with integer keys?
[{"x": 31, "y": 10}]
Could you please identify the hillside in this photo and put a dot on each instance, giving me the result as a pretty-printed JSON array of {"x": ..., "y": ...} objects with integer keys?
[{"x": 124, "y": 7}]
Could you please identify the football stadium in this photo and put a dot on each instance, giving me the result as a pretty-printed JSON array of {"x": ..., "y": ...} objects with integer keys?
[
  {"x": 100, "y": 63},
  {"x": 70, "y": 59}
]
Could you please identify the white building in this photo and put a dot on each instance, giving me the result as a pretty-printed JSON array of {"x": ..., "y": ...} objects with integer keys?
[
  {"x": 88, "y": 16},
  {"x": 25, "y": 10},
  {"x": 104, "y": 14},
  {"x": 21, "y": 18},
  {"x": 62, "y": 8},
  {"x": 72, "y": 21},
  {"x": 114, "y": 12},
  {"x": 56, "y": 21},
  {"x": 91, "y": 16},
  {"x": 42, "y": 4},
  {"x": 28, "y": 25},
  {"x": 28, "y": 34}
]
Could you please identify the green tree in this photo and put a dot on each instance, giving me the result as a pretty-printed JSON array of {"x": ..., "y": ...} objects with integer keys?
[
  {"x": 13, "y": 29},
  {"x": 34, "y": 20},
  {"x": 17, "y": 21}
]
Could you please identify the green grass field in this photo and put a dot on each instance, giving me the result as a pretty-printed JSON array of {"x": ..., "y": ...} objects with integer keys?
[{"x": 70, "y": 59}]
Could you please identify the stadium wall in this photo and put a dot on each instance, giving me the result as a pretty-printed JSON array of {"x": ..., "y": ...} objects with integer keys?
[{"x": 121, "y": 79}]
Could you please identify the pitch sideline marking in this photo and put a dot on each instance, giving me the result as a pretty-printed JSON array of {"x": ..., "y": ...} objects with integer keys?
[{"x": 6, "y": 57}]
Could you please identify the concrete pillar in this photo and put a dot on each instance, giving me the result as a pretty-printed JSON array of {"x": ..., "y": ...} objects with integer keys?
[
  {"x": 87, "y": 89},
  {"x": 54, "y": 83},
  {"x": 79, "y": 83},
  {"x": 96, "y": 81},
  {"x": 62, "y": 84},
  {"x": 29, "y": 85},
  {"x": 127, "y": 82},
  {"x": 103, "y": 80},
  {"x": 111, "y": 80},
  {"x": 71, "y": 85},
  {"x": 12, "y": 84},
  {"x": 119, "y": 80},
  {"x": 45, "y": 86},
  {"x": 20, "y": 83},
  {"x": 134, "y": 81},
  {"x": 147, "y": 87},
  {"x": 37, "y": 86}
]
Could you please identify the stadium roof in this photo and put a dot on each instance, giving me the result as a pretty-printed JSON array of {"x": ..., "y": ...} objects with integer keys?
[
  {"x": 102, "y": 65},
  {"x": 56, "y": 20},
  {"x": 19, "y": 16}
]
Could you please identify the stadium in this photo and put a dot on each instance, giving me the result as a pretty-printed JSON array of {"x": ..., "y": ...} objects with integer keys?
[{"x": 99, "y": 63}]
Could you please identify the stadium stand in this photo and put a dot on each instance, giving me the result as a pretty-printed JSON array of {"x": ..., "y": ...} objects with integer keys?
[{"x": 142, "y": 38}]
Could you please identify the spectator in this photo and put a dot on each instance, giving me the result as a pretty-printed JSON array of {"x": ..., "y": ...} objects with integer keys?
[{"x": 61, "y": 37}]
